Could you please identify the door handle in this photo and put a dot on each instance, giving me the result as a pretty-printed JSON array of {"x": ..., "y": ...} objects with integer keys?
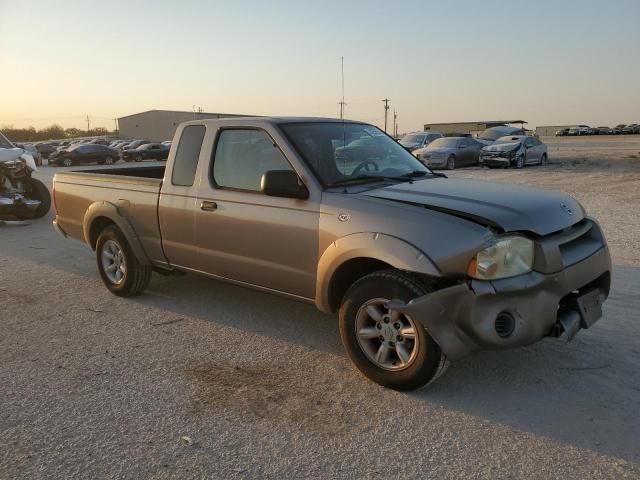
[{"x": 208, "y": 206}]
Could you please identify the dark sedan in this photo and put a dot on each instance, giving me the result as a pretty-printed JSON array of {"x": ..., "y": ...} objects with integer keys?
[
  {"x": 148, "y": 151},
  {"x": 450, "y": 152},
  {"x": 84, "y": 153}
]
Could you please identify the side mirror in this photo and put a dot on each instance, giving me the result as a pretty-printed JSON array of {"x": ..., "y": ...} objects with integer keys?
[{"x": 283, "y": 183}]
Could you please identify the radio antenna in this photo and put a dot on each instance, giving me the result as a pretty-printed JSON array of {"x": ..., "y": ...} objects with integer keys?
[{"x": 342, "y": 104}]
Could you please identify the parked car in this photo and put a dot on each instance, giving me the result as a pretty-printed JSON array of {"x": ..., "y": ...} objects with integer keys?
[
  {"x": 420, "y": 269},
  {"x": 85, "y": 153},
  {"x": 416, "y": 140},
  {"x": 618, "y": 128},
  {"x": 563, "y": 132},
  {"x": 605, "y": 131},
  {"x": 133, "y": 144},
  {"x": 631, "y": 129},
  {"x": 45, "y": 149},
  {"x": 450, "y": 152},
  {"x": 514, "y": 151},
  {"x": 148, "y": 151},
  {"x": 492, "y": 134}
]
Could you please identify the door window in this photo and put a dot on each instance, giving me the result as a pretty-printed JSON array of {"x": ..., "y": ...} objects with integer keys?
[
  {"x": 243, "y": 156},
  {"x": 186, "y": 161}
]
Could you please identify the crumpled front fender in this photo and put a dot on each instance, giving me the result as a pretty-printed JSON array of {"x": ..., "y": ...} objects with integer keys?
[{"x": 386, "y": 248}]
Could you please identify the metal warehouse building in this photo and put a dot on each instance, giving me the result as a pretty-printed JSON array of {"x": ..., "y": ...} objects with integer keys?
[
  {"x": 160, "y": 125},
  {"x": 468, "y": 127},
  {"x": 550, "y": 130}
]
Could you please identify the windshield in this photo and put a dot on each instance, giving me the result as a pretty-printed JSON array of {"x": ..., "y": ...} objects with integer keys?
[
  {"x": 340, "y": 153},
  {"x": 4, "y": 143},
  {"x": 508, "y": 140},
  {"x": 496, "y": 132},
  {"x": 413, "y": 138},
  {"x": 444, "y": 142}
]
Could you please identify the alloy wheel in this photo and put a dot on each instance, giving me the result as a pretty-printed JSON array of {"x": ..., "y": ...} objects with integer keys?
[
  {"x": 388, "y": 338},
  {"x": 113, "y": 262}
]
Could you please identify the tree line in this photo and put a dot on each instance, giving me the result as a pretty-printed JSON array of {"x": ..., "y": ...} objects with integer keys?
[{"x": 53, "y": 132}]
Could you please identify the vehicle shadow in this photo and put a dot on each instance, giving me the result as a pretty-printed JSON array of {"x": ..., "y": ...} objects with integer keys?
[{"x": 583, "y": 393}]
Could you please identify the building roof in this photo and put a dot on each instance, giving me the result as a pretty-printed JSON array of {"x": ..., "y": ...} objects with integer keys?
[
  {"x": 483, "y": 121},
  {"x": 182, "y": 111}
]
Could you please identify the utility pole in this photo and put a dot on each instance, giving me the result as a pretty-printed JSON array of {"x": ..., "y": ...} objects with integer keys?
[
  {"x": 88, "y": 124},
  {"x": 386, "y": 111},
  {"x": 115, "y": 122},
  {"x": 395, "y": 124},
  {"x": 342, "y": 102}
]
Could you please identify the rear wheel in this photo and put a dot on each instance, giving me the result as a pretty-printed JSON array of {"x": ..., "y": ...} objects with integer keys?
[
  {"x": 67, "y": 162},
  {"x": 390, "y": 348},
  {"x": 139, "y": 158},
  {"x": 543, "y": 159},
  {"x": 451, "y": 162},
  {"x": 108, "y": 160},
  {"x": 119, "y": 268}
]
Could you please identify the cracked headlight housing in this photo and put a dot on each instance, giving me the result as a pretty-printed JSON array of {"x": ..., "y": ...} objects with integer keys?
[{"x": 510, "y": 256}]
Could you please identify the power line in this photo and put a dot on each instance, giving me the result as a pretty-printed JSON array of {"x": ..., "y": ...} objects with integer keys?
[{"x": 386, "y": 111}]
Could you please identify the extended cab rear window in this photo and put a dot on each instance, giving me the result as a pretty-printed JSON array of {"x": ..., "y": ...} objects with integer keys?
[{"x": 186, "y": 161}]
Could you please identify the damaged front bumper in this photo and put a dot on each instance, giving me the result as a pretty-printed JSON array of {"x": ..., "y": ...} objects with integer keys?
[
  {"x": 516, "y": 311},
  {"x": 18, "y": 206}
]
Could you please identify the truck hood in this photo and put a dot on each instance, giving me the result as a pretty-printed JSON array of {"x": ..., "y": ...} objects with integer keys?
[{"x": 509, "y": 207}]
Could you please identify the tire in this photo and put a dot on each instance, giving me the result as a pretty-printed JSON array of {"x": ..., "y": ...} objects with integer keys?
[
  {"x": 451, "y": 162},
  {"x": 543, "y": 159},
  {"x": 67, "y": 162},
  {"x": 134, "y": 279},
  {"x": 520, "y": 161},
  {"x": 424, "y": 361},
  {"x": 39, "y": 191},
  {"x": 108, "y": 160},
  {"x": 139, "y": 158}
]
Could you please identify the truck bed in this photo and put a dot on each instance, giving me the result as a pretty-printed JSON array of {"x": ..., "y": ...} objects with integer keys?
[{"x": 134, "y": 190}]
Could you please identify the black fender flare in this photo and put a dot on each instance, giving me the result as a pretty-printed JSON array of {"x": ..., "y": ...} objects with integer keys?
[{"x": 116, "y": 215}]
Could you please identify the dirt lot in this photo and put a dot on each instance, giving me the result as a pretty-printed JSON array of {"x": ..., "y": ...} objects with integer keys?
[{"x": 94, "y": 386}]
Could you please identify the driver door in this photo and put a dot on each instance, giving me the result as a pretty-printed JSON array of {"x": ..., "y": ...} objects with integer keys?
[{"x": 245, "y": 235}]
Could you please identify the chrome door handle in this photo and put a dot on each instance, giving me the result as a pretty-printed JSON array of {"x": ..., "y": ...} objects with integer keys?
[{"x": 208, "y": 206}]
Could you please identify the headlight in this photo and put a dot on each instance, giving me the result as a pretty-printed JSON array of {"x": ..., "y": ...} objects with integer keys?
[{"x": 508, "y": 257}]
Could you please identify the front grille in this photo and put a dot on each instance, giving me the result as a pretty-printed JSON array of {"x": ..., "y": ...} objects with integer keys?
[{"x": 569, "y": 246}]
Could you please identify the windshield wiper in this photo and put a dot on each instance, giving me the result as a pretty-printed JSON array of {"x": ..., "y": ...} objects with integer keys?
[
  {"x": 367, "y": 178},
  {"x": 421, "y": 173}
]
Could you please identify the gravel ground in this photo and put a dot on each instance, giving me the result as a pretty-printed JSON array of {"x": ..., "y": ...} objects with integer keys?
[{"x": 95, "y": 386}]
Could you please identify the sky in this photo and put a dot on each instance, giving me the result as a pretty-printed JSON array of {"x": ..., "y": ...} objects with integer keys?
[{"x": 549, "y": 62}]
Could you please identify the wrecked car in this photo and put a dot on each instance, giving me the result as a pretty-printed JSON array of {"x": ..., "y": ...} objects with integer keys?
[
  {"x": 420, "y": 269},
  {"x": 21, "y": 196}
]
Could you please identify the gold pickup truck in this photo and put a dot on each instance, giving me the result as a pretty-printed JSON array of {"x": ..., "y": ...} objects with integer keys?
[{"x": 420, "y": 268}]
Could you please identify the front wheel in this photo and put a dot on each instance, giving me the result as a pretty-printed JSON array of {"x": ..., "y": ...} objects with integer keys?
[
  {"x": 39, "y": 191},
  {"x": 121, "y": 271},
  {"x": 67, "y": 162},
  {"x": 390, "y": 348},
  {"x": 543, "y": 159},
  {"x": 520, "y": 161},
  {"x": 108, "y": 160}
]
